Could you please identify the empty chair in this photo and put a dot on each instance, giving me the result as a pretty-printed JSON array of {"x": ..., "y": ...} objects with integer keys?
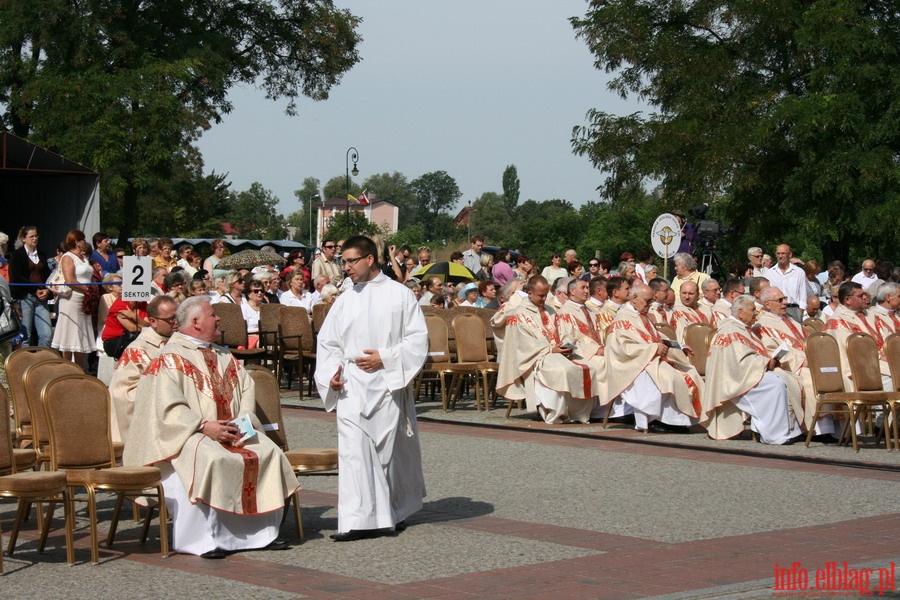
[
  {"x": 15, "y": 460},
  {"x": 81, "y": 445},
  {"x": 862, "y": 351},
  {"x": 828, "y": 383},
  {"x": 27, "y": 488},
  {"x": 304, "y": 461},
  {"x": 815, "y": 324},
  {"x": 471, "y": 348},
  {"x": 234, "y": 332},
  {"x": 666, "y": 329},
  {"x": 290, "y": 347},
  {"x": 36, "y": 377},
  {"x": 16, "y": 363}
]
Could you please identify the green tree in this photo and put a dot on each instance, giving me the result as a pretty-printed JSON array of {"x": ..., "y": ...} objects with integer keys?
[
  {"x": 780, "y": 109},
  {"x": 547, "y": 227},
  {"x": 511, "y": 188},
  {"x": 126, "y": 88},
  {"x": 253, "y": 213},
  {"x": 491, "y": 219},
  {"x": 436, "y": 193},
  {"x": 346, "y": 224},
  {"x": 305, "y": 219},
  {"x": 336, "y": 188}
]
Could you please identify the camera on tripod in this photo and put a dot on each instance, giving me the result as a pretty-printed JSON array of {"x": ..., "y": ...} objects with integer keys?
[{"x": 707, "y": 229}]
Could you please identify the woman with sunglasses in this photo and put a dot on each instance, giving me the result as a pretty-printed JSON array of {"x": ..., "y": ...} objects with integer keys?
[
  {"x": 255, "y": 299},
  {"x": 234, "y": 286}
]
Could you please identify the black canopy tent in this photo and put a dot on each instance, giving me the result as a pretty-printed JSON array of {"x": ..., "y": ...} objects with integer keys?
[{"x": 39, "y": 187}]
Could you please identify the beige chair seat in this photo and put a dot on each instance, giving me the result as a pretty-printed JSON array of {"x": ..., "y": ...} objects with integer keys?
[
  {"x": 37, "y": 482},
  {"x": 117, "y": 476},
  {"x": 313, "y": 459}
]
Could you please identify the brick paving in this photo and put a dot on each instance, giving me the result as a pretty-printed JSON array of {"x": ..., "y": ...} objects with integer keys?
[{"x": 462, "y": 539}]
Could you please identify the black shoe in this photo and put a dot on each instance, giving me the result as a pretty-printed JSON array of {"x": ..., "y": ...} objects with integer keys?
[
  {"x": 825, "y": 438},
  {"x": 213, "y": 554},
  {"x": 401, "y": 526},
  {"x": 660, "y": 427},
  {"x": 352, "y": 535},
  {"x": 278, "y": 544}
]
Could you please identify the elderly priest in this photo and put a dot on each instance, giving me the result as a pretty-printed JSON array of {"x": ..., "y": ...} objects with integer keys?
[
  {"x": 649, "y": 374},
  {"x": 537, "y": 367},
  {"x": 741, "y": 376}
]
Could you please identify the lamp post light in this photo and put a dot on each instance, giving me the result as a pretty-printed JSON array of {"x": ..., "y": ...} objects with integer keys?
[
  {"x": 309, "y": 210},
  {"x": 352, "y": 154}
]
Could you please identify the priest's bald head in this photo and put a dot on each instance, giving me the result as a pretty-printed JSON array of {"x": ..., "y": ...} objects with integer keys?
[
  {"x": 196, "y": 319},
  {"x": 537, "y": 290},
  {"x": 689, "y": 294},
  {"x": 641, "y": 296}
]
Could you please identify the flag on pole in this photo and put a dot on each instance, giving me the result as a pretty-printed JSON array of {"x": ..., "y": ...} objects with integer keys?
[{"x": 363, "y": 198}]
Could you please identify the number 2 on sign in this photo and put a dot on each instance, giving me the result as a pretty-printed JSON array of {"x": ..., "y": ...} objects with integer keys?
[{"x": 135, "y": 287}]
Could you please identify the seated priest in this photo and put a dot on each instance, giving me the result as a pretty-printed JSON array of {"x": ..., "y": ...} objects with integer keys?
[
  {"x": 577, "y": 325},
  {"x": 653, "y": 378},
  {"x": 741, "y": 377},
  {"x": 689, "y": 310},
  {"x": 535, "y": 366},
  {"x": 223, "y": 495}
]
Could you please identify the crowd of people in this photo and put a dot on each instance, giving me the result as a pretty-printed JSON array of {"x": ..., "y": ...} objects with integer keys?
[{"x": 576, "y": 341}]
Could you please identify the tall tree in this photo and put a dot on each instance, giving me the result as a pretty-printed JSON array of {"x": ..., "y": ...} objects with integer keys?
[
  {"x": 511, "y": 188},
  {"x": 254, "y": 214},
  {"x": 124, "y": 87},
  {"x": 336, "y": 188},
  {"x": 305, "y": 219},
  {"x": 436, "y": 192},
  {"x": 786, "y": 105},
  {"x": 491, "y": 219}
]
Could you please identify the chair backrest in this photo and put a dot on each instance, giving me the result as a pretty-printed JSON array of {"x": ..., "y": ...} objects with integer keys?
[
  {"x": 77, "y": 408},
  {"x": 307, "y": 337},
  {"x": 320, "y": 311},
  {"x": 471, "y": 345},
  {"x": 268, "y": 404},
  {"x": 824, "y": 363},
  {"x": 814, "y": 324},
  {"x": 7, "y": 462},
  {"x": 36, "y": 377},
  {"x": 698, "y": 337},
  {"x": 292, "y": 327},
  {"x": 892, "y": 352},
  {"x": 269, "y": 317},
  {"x": 16, "y": 364},
  {"x": 486, "y": 314},
  {"x": 862, "y": 351},
  {"x": 667, "y": 330},
  {"x": 438, "y": 343},
  {"x": 231, "y": 324}
]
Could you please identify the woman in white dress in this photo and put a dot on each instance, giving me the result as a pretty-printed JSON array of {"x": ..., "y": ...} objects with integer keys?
[
  {"x": 74, "y": 334},
  {"x": 250, "y": 309}
]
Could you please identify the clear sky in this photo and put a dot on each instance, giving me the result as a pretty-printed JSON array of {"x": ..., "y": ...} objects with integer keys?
[{"x": 463, "y": 86}]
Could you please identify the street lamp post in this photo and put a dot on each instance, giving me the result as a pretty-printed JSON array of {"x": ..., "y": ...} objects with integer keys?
[
  {"x": 309, "y": 210},
  {"x": 352, "y": 154}
]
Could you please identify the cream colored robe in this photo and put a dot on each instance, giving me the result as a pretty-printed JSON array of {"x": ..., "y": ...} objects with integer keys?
[
  {"x": 721, "y": 310},
  {"x": 774, "y": 331},
  {"x": 683, "y": 316},
  {"x": 572, "y": 326},
  {"x": 527, "y": 356},
  {"x": 498, "y": 319},
  {"x": 737, "y": 362},
  {"x": 886, "y": 322},
  {"x": 631, "y": 348},
  {"x": 845, "y": 322},
  {"x": 134, "y": 361},
  {"x": 605, "y": 316},
  {"x": 177, "y": 393}
]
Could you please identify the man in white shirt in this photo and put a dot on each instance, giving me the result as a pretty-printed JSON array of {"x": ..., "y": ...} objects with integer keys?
[
  {"x": 867, "y": 276},
  {"x": 790, "y": 279},
  {"x": 472, "y": 256}
]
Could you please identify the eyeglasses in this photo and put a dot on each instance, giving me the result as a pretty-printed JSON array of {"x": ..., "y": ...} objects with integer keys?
[
  {"x": 353, "y": 261},
  {"x": 593, "y": 264},
  {"x": 256, "y": 291},
  {"x": 169, "y": 320},
  {"x": 338, "y": 246},
  {"x": 782, "y": 299},
  {"x": 239, "y": 281},
  {"x": 328, "y": 247},
  {"x": 756, "y": 256},
  {"x": 120, "y": 256}
]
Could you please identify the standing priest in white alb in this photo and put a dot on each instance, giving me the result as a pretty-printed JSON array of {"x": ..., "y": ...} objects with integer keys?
[{"x": 371, "y": 346}]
